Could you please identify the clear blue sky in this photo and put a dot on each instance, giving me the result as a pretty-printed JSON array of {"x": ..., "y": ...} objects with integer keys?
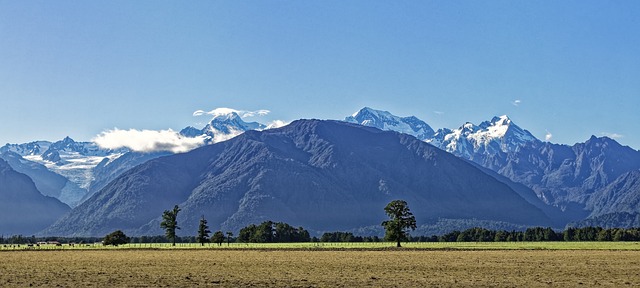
[{"x": 78, "y": 68}]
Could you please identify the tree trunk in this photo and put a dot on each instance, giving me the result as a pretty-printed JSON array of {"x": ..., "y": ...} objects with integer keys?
[{"x": 398, "y": 245}]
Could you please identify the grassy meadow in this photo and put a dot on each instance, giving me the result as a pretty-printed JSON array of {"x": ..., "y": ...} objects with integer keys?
[{"x": 328, "y": 265}]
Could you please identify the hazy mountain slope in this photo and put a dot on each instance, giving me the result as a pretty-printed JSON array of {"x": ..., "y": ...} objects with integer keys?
[
  {"x": 47, "y": 182},
  {"x": 323, "y": 175},
  {"x": 23, "y": 209}
]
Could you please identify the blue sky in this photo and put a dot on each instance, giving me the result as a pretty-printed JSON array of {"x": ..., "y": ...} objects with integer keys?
[{"x": 77, "y": 68}]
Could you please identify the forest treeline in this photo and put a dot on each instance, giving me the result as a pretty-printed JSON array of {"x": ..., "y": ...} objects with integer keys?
[{"x": 274, "y": 232}]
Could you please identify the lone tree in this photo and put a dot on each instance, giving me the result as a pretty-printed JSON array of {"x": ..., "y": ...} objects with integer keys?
[
  {"x": 170, "y": 224},
  {"x": 401, "y": 220},
  {"x": 203, "y": 231},
  {"x": 115, "y": 238}
]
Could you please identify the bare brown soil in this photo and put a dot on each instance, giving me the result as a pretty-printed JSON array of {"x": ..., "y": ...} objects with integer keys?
[{"x": 278, "y": 268}]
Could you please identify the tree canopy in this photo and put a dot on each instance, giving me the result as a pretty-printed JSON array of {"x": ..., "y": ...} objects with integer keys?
[
  {"x": 401, "y": 220},
  {"x": 273, "y": 232},
  {"x": 170, "y": 223},
  {"x": 218, "y": 237},
  {"x": 116, "y": 238}
]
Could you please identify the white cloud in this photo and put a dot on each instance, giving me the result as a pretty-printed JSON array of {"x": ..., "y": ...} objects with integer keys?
[
  {"x": 438, "y": 112},
  {"x": 612, "y": 135},
  {"x": 276, "y": 124},
  {"x": 548, "y": 136},
  {"x": 516, "y": 102},
  {"x": 225, "y": 111},
  {"x": 148, "y": 140}
]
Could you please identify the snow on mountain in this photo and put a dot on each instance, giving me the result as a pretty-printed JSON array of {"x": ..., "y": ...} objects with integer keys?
[
  {"x": 31, "y": 148},
  {"x": 73, "y": 160},
  {"x": 386, "y": 121},
  {"x": 490, "y": 137},
  {"x": 499, "y": 135},
  {"x": 223, "y": 126}
]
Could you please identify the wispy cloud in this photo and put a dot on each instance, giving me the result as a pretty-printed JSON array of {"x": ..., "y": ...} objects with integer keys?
[
  {"x": 612, "y": 135},
  {"x": 225, "y": 111},
  {"x": 148, "y": 140},
  {"x": 548, "y": 136},
  {"x": 516, "y": 102},
  {"x": 438, "y": 112}
]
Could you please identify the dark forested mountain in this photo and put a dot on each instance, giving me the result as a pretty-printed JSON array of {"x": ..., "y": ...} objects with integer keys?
[
  {"x": 107, "y": 170},
  {"x": 23, "y": 209},
  {"x": 323, "y": 175}
]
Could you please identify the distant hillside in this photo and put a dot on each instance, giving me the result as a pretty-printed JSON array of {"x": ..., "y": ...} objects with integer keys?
[
  {"x": 23, "y": 209},
  {"x": 323, "y": 175}
]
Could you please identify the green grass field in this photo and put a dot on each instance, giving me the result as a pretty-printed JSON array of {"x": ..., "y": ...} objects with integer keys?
[{"x": 366, "y": 245}]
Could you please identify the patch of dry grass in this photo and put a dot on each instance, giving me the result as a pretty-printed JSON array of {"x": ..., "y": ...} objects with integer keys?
[{"x": 322, "y": 268}]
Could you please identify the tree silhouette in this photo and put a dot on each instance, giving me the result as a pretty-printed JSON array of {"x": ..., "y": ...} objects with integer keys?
[
  {"x": 170, "y": 224},
  {"x": 203, "y": 231},
  {"x": 401, "y": 220}
]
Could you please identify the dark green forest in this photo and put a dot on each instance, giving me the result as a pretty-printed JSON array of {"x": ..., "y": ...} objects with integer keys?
[{"x": 277, "y": 232}]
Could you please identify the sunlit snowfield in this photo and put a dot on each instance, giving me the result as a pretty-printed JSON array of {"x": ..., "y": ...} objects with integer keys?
[{"x": 281, "y": 267}]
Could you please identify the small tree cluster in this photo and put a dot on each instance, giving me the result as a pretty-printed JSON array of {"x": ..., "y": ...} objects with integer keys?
[
  {"x": 271, "y": 232},
  {"x": 346, "y": 237},
  {"x": 116, "y": 238},
  {"x": 218, "y": 238}
]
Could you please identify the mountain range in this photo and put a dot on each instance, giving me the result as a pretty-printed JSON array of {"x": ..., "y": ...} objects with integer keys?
[
  {"x": 322, "y": 175},
  {"x": 572, "y": 178},
  {"x": 590, "y": 183}
]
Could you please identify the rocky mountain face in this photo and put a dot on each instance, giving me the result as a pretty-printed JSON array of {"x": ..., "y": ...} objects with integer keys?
[
  {"x": 23, "y": 209},
  {"x": 562, "y": 174},
  {"x": 621, "y": 196},
  {"x": 323, "y": 175}
]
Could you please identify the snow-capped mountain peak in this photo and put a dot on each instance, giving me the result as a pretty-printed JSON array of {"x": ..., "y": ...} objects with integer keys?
[
  {"x": 386, "y": 121},
  {"x": 499, "y": 135},
  {"x": 26, "y": 149},
  {"x": 225, "y": 124}
]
